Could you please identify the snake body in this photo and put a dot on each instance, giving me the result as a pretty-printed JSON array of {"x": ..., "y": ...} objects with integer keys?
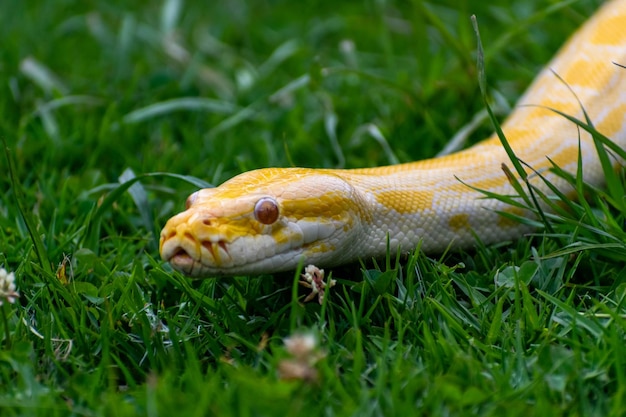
[{"x": 274, "y": 219}]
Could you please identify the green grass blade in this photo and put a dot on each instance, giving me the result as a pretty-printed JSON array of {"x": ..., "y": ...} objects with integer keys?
[
  {"x": 482, "y": 83},
  {"x": 20, "y": 201},
  {"x": 179, "y": 104}
]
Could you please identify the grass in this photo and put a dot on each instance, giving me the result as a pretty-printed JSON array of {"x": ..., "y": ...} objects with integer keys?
[{"x": 95, "y": 94}]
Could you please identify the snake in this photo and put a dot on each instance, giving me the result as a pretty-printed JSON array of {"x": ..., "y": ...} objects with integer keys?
[{"x": 275, "y": 219}]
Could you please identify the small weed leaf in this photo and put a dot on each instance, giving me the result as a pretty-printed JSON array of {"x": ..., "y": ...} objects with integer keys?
[
  {"x": 380, "y": 281},
  {"x": 512, "y": 275}
]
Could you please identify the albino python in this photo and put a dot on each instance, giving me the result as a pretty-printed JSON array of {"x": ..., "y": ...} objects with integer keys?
[{"x": 274, "y": 219}]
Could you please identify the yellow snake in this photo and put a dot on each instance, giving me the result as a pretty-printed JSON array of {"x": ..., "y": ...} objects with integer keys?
[{"x": 274, "y": 219}]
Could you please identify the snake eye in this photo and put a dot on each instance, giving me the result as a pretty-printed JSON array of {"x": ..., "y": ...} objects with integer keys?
[
  {"x": 266, "y": 210},
  {"x": 190, "y": 200}
]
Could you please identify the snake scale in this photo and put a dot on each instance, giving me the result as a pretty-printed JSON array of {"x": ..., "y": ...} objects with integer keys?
[{"x": 271, "y": 220}]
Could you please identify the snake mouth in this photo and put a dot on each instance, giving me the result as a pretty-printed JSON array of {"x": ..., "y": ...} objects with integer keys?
[
  {"x": 191, "y": 258},
  {"x": 181, "y": 260}
]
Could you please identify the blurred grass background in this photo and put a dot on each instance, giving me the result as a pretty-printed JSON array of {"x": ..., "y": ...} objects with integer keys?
[{"x": 94, "y": 90}]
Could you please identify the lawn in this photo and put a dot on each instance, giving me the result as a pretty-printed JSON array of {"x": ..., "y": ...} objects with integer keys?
[{"x": 175, "y": 95}]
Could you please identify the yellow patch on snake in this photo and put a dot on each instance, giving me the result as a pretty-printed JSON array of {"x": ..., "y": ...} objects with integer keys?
[
  {"x": 319, "y": 248},
  {"x": 568, "y": 155},
  {"x": 613, "y": 121},
  {"x": 585, "y": 71},
  {"x": 403, "y": 202},
  {"x": 505, "y": 222},
  {"x": 330, "y": 206},
  {"x": 606, "y": 32},
  {"x": 459, "y": 222}
]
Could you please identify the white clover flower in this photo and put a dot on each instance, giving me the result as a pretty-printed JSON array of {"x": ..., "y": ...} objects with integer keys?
[
  {"x": 304, "y": 354},
  {"x": 313, "y": 278},
  {"x": 301, "y": 346},
  {"x": 8, "y": 292}
]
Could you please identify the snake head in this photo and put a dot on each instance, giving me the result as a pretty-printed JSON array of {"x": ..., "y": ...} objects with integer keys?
[{"x": 260, "y": 221}]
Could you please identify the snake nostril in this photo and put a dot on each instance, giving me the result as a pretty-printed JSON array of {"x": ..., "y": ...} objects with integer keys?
[
  {"x": 206, "y": 222},
  {"x": 189, "y": 236}
]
